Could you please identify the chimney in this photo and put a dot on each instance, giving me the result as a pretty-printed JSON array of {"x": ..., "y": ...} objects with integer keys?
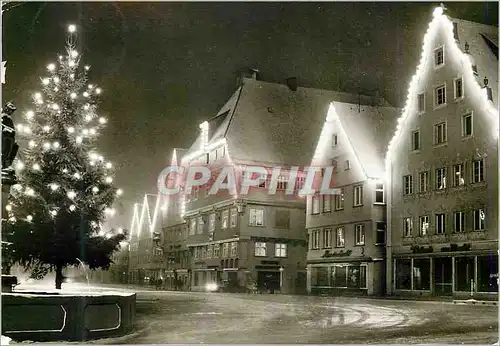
[
  {"x": 455, "y": 31},
  {"x": 292, "y": 83}
]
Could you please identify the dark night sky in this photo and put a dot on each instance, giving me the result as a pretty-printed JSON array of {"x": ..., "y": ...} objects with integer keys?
[{"x": 166, "y": 67}]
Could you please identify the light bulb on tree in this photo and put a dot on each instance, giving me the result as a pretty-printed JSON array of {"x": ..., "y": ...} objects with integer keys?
[
  {"x": 45, "y": 81},
  {"x": 71, "y": 194},
  {"x": 79, "y": 140},
  {"x": 30, "y": 115},
  {"x": 36, "y": 167},
  {"x": 109, "y": 165},
  {"x": 46, "y": 145},
  {"x": 20, "y": 127},
  {"x": 54, "y": 187},
  {"x": 85, "y": 94},
  {"x": 8, "y": 207},
  {"x": 72, "y": 28},
  {"x": 109, "y": 180},
  {"x": 120, "y": 230},
  {"x": 98, "y": 90},
  {"x": 74, "y": 53},
  {"x": 37, "y": 96},
  {"x": 51, "y": 67},
  {"x": 71, "y": 129},
  {"x": 102, "y": 120},
  {"x": 56, "y": 79},
  {"x": 30, "y": 192},
  {"x": 92, "y": 131},
  {"x": 29, "y": 218},
  {"x": 90, "y": 86},
  {"x": 65, "y": 170},
  {"x": 119, "y": 192},
  {"x": 56, "y": 145},
  {"x": 87, "y": 67},
  {"x": 27, "y": 130},
  {"x": 88, "y": 118},
  {"x": 46, "y": 128},
  {"x": 53, "y": 212},
  {"x": 86, "y": 106},
  {"x": 73, "y": 96},
  {"x": 77, "y": 175},
  {"x": 72, "y": 207},
  {"x": 19, "y": 165},
  {"x": 31, "y": 144},
  {"x": 95, "y": 189},
  {"x": 55, "y": 106},
  {"x": 71, "y": 63},
  {"x": 85, "y": 132},
  {"x": 56, "y": 89}
]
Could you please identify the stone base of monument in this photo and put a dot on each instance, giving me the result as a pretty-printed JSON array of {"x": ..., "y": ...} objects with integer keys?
[{"x": 39, "y": 316}]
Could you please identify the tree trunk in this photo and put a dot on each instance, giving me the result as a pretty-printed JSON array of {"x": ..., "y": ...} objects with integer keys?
[{"x": 59, "y": 276}]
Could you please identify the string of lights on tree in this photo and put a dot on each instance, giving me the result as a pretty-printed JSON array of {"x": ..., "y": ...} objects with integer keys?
[{"x": 61, "y": 172}]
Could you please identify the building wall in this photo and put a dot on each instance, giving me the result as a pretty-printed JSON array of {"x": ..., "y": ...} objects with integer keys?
[{"x": 456, "y": 150}]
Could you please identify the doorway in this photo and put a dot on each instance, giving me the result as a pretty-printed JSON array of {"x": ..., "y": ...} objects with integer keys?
[{"x": 443, "y": 278}]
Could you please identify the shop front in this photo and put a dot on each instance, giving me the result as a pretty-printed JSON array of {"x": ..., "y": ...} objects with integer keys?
[
  {"x": 458, "y": 275},
  {"x": 338, "y": 278}
]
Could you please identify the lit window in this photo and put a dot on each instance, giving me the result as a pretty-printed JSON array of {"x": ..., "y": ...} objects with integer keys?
[
  {"x": 415, "y": 140},
  {"x": 424, "y": 182},
  {"x": 339, "y": 200},
  {"x": 315, "y": 205},
  {"x": 234, "y": 249},
  {"x": 327, "y": 238},
  {"x": 424, "y": 225},
  {"x": 359, "y": 234},
  {"x": 439, "y": 56},
  {"x": 201, "y": 223},
  {"x": 260, "y": 249},
  {"x": 459, "y": 175},
  {"x": 224, "y": 219},
  {"x": 408, "y": 184},
  {"x": 459, "y": 88},
  {"x": 379, "y": 193},
  {"x": 234, "y": 217},
  {"x": 421, "y": 103},
  {"x": 441, "y": 178},
  {"x": 327, "y": 203},
  {"x": 440, "y": 96},
  {"x": 479, "y": 219},
  {"x": 211, "y": 222},
  {"x": 459, "y": 221},
  {"x": 280, "y": 250},
  {"x": 440, "y": 133},
  {"x": 467, "y": 125},
  {"x": 477, "y": 171},
  {"x": 314, "y": 241},
  {"x": 407, "y": 226},
  {"x": 358, "y": 195},
  {"x": 440, "y": 223},
  {"x": 256, "y": 217},
  {"x": 340, "y": 237}
]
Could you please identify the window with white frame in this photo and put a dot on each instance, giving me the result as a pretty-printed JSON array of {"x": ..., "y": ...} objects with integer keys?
[
  {"x": 440, "y": 96},
  {"x": 379, "y": 193},
  {"x": 282, "y": 182},
  {"x": 347, "y": 165},
  {"x": 423, "y": 182},
  {"x": 415, "y": 140},
  {"x": 233, "y": 217},
  {"x": 327, "y": 238},
  {"x": 424, "y": 225},
  {"x": 459, "y": 225},
  {"x": 200, "y": 224},
  {"x": 335, "y": 140},
  {"x": 256, "y": 217},
  {"x": 216, "y": 250},
  {"x": 440, "y": 223},
  {"x": 439, "y": 56},
  {"x": 196, "y": 253},
  {"x": 407, "y": 227},
  {"x": 327, "y": 203},
  {"x": 459, "y": 175},
  {"x": 421, "y": 102},
  {"x": 210, "y": 251},
  {"x": 408, "y": 184},
  {"x": 315, "y": 204},
  {"x": 234, "y": 249},
  {"x": 458, "y": 87},
  {"x": 339, "y": 200},
  {"x": 314, "y": 239},
  {"x": 441, "y": 178},
  {"x": 211, "y": 222},
  {"x": 260, "y": 249},
  {"x": 192, "y": 227},
  {"x": 359, "y": 234},
  {"x": 478, "y": 171},
  {"x": 440, "y": 133},
  {"x": 479, "y": 219},
  {"x": 224, "y": 219},
  {"x": 225, "y": 250},
  {"x": 280, "y": 250},
  {"x": 467, "y": 125},
  {"x": 358, "y": 195},
  {"x": 340, "y": 237}
]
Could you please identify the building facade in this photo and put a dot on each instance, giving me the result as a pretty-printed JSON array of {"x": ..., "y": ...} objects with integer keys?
[
  {"x": 347, "y": 231},
  {"x": 443, "y": 168}
]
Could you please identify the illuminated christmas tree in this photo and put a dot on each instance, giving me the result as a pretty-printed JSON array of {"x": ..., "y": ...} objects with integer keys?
[{"x": 65, "y": 188}]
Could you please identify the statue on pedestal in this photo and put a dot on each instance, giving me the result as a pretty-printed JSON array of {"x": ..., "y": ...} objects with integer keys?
[{"x": 9, "y": 145}]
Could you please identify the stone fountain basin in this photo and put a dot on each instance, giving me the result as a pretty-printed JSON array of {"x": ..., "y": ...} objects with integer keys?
[{"x": 66, "y": 316}]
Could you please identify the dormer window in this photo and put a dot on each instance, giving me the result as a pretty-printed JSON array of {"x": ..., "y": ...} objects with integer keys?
[
  {"x": 334, "y": 140},
  {"x": 439, "y": 56},
  {"x": 347, "y": 165}
]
